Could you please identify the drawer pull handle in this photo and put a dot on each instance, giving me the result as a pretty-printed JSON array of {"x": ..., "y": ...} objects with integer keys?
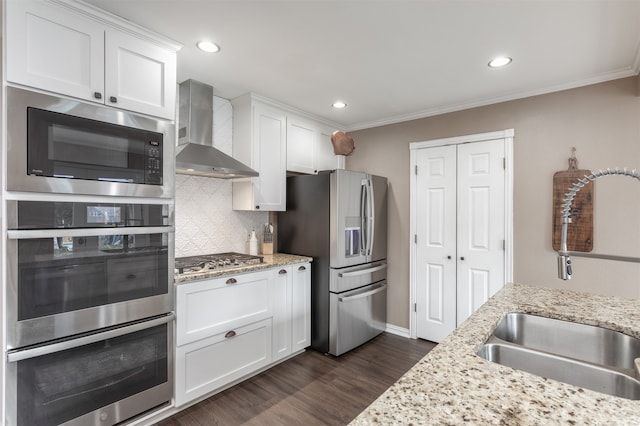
[
  {"x": 97, "y": 95},
  {"x": 302, "y": 268},
  {"x": 229, "y": 334},
  {"x": 232, "y": 281},
  {"x": 282, "y": 271},
  {"x": 113, "y": 99},
  {"x": 131, "y": 277}
]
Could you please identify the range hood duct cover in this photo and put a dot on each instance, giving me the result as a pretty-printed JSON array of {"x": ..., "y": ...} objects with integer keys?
[{"x": 196, "y": 154}]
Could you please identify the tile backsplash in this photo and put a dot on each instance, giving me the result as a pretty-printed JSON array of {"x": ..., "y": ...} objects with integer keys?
[{"x": 205, "y": 221}]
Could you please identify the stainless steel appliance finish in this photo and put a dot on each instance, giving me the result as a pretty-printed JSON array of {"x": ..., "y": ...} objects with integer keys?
[
  {"x": 89, "y": 249},
  {"x": 102, "y": 378},
  {"x": 97, "y": 143},
  {"x": 217, "y": 261},
  {"x": 66, "y": 276},
  {"x": 340, "y": 219},
  {"x": 196, "y": 154},
  {"x": 89, "y": 310}
]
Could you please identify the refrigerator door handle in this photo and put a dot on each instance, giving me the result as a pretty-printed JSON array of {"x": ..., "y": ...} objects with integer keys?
[
  {"x": 370, "y": 217},
  {"x": 362, "y": 271},
  {"x": 363, "y": 217},
  {"x": 377, "y": 290}
]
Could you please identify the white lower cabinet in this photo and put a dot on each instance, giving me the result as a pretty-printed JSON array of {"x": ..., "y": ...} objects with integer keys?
[
  {"x": 291, "y": 310},
  {"x": 228, "y": 328},
  {"x": 282, "y": 286},
  {"x": 301, "y": 307},
  {"x": 211, "y": 363}
]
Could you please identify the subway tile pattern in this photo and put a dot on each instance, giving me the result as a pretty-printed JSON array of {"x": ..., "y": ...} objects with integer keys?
[{"x": 205, "y": 221}]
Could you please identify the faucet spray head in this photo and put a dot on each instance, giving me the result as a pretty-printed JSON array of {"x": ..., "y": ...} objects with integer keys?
[{"x": 564, "y": 267}]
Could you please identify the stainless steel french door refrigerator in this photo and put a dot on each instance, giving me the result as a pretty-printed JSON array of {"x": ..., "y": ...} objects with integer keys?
[{"x": 340, "y": 219}]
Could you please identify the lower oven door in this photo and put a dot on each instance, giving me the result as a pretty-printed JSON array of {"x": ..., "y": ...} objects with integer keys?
[
  {"x": 102, "y": 378},
  {"x": 356, "y": 316}
]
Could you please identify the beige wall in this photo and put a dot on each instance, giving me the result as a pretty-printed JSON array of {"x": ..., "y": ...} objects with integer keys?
[{"x": 602, "y": 121}]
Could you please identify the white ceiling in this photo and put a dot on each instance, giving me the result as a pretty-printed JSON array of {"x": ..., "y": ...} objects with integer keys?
[{"x": 394, "y": 60}]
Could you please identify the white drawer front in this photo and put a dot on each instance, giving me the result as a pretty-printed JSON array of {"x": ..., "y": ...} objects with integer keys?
[
  {"x": 209, "y": 364},
  {"x": 209, "y": 307}
]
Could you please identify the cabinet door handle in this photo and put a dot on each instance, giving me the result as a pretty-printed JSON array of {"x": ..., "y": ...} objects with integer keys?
[
  {"x": 461, "y": 257},
  {"x": 232, "y": 281},
  {"x": 282, "y": 271},
  {"x": 97, "y": 95},
  {"x": 113, "y": 99},
  {"x": 449, "y": 257},
  {"x": 131, "y": 277},
  {"x": 257, "y": 207},
  {"x": 302, "y": 268},
  {"x": 229, "y": 334}
]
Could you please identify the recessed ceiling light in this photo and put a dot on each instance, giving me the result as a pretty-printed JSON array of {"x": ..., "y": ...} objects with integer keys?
[
  {"x": 207, "y": 46},
  {"x": 339, "y": 104},
  {"x": 500, "y": 61}
]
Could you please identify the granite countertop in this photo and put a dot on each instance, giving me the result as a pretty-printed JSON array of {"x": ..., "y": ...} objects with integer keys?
[
  {"x": 451, "y": 385},
  {"x": 269, "y": 261}
]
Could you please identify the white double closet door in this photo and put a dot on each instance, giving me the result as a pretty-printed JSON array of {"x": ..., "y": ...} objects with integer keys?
[{"x": 460, "y": 233}]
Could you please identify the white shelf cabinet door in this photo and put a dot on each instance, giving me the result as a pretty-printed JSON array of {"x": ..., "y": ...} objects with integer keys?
[
  {"x": 309, "y": 147},
  {"x": 140, "y": 76},
  {"x": 301, "y": 145},
  {"x": 282, "y": 286},
  {"x": 301, "y": 307},
  {"x": 54, "y": 49},
  {"x": 325, "y": 159},
  {"x": 259, "y": 140}
]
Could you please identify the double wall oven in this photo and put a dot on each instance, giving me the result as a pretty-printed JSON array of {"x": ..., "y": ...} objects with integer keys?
[{"x": 89, "y": 262}]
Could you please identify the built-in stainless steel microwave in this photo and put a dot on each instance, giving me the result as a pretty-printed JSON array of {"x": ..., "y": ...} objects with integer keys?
[{"x": 59, "y": 145}]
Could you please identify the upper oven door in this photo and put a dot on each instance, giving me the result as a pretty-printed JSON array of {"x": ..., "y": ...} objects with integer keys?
[
  {"x": 74, "y": 267},
  {"x": 57, "y": 145}
]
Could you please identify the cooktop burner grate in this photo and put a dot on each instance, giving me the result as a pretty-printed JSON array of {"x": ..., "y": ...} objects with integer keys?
[{"x": 217, "y": 261}]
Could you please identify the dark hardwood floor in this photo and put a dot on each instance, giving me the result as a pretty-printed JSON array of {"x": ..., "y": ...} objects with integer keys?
[{"x": 311, "y": 388}]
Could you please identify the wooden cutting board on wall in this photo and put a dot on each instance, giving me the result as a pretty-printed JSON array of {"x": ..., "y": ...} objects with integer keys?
[{"x": 580, "y": 231}]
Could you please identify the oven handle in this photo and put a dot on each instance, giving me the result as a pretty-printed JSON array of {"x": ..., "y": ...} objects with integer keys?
[
  {"x": 20, "y": 355},
  {"x": 24, "y": 234}
]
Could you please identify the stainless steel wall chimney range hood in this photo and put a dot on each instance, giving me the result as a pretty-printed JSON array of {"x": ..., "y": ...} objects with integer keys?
[{"x": 195, "y": 152}]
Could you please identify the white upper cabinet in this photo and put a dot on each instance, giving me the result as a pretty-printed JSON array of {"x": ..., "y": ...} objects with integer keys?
[
  {"x": 301, "y": 141},
  {"x": 139, "y": 76},
  {"x": 76, "y": 50},
  {"x": 324, "y": 157},
  {"x": 259, "y": 141},
  {"x": 309, "y": 147}
]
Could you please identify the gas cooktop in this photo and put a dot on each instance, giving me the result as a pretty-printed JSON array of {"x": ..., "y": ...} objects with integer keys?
[{"x": 218, "y": 261}]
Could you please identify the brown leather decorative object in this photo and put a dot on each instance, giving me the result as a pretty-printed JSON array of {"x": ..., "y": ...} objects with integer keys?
[{"x": 342, "y": 144}]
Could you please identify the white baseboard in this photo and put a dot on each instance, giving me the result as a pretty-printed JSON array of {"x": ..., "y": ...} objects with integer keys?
[{"x": 399, "y": 331}]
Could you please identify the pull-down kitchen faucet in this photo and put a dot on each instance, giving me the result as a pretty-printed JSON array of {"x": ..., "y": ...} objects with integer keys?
[{"x": 564, "y": 260}]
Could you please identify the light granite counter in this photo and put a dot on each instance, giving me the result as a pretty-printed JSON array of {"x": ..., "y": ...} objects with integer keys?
[
  {"x": 269, "y": 261},
  {"x": 452, "y": 385}
]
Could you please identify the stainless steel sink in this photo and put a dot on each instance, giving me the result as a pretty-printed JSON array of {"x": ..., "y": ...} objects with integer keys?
[
  {"x": 584, "y": 342},
  {"x": 582, "y": 355}
]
